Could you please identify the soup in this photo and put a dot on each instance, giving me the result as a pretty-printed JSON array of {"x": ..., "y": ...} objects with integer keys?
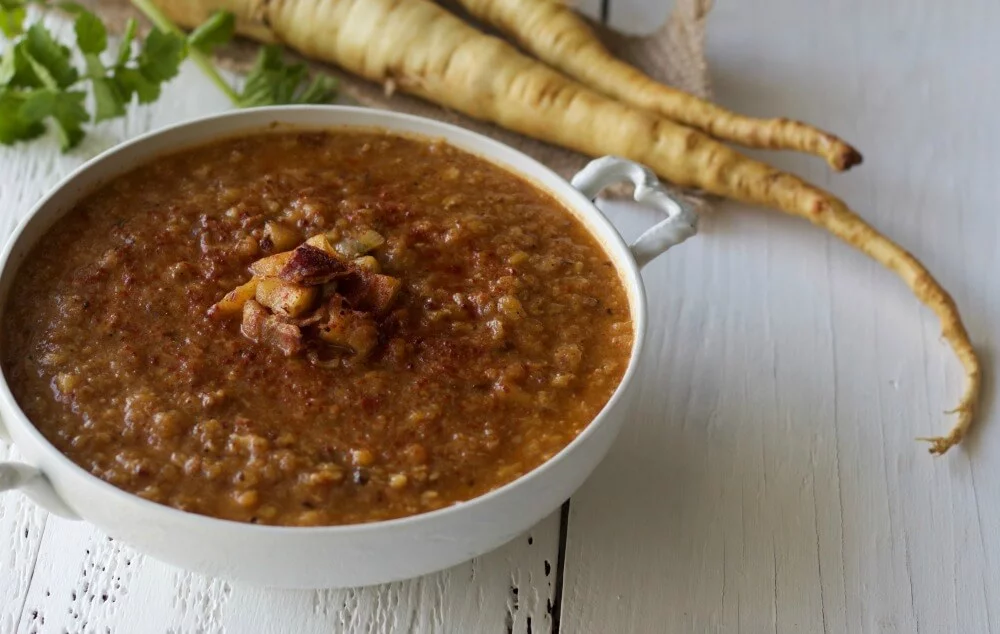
[{"x": 315, "y": 328}]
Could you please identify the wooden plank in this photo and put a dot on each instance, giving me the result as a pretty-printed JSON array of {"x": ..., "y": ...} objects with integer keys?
[
  {"x": 768, "y": 479},
  {"x": 21, "y": 529},
  {"x": 59, "y": 576},
  {"x": 86, "y": 582}
]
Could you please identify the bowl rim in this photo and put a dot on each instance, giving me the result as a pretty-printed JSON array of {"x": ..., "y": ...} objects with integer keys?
[{"x": 285, "y": 116}]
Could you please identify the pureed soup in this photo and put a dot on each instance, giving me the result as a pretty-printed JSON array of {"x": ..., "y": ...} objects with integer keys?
[{"x": 315, "y": 328}]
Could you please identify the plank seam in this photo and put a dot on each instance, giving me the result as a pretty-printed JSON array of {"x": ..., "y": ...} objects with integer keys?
[
  {"x": 557, "y": 594},
  {"x": 31, "y": 577}
]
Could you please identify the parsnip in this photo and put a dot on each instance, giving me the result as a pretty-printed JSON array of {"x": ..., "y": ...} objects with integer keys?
[
  {"x": 281, "y": 236},
  {"x": 232, "y": 303},
  {"x": 285, "y": 298},
  {"x": 271, "y": 265},
  {"x": 321, "y": 242},
  {"x": 431, "y": 53},
  {"x": 559, "y": 37}
]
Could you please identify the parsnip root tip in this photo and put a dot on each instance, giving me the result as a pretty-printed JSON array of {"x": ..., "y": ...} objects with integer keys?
[
  {"x": 551, "y": 31},
  {"x": 839, "y": 154},
  {"x": 847, "y": 158},
  {"x": 941, "y": 444}
]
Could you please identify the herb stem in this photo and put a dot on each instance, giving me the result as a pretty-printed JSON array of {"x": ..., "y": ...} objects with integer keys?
[{"x": 164, "y": 23}]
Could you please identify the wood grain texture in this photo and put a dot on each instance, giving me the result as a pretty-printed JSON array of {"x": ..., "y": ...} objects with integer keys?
[
  {"x": 86, "y": 582},
  {"x": 768, "y": 479}
]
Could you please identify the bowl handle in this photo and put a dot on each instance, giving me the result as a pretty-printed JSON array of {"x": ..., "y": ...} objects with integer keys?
[
  {"x": 681, "y": 222},
  {"x": 34, "y": 484}
]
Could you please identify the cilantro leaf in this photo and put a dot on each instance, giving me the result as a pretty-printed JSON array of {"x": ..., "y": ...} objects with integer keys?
[
  {"x": 161, "y": 55},
  {"x": 95, "y": 67},
  {"x": 215, "y": 31},
  {"x": 17, "y": 68},
  {"x": 43, "y": 82},
  {"x": 322, "y": 90},
  {"x": 13, "y": 127},
  {"x": 38, "y": 105},
  {"x": 125, "y": 46},
  {"x": 30, "y": 72},
  {"x": 50, "y": 55},
  {"x": 273, "y": 82},
  {"x": 257, "y": 91},
  {"x": 109, "y": 102},
  {"x": 131, "y": 82},
  {"x": 8, "y": 65},
  {"x": 70, "y": 115},
  {"x": 12, "y": 21},
  {"x": 64, "y": 107},
  {"x": 91, "y": 36}
]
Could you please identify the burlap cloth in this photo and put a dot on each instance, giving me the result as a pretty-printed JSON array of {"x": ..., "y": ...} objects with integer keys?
[{"x": 674, "y": 55}]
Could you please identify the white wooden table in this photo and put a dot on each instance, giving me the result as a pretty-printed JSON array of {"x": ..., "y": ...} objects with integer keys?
[{"x": 768, "y": 480}]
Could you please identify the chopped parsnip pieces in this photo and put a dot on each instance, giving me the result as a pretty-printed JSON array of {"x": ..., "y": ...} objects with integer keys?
[
  {"x": 368, "y": 263},
  {"x": 371, "y": 240},
  {"x": 321, "y": 242},
  {"x": 271, "y": 265},
  {"x": 253, "y": 319},
  {"x": 280, "y": 305},
  {"x": 354, "y": 247},
  {"x": 371, "y": 292},
  {"x": 232, "y": 303},
  {"x": 282, "y": 236},
  {"x": 349, "y": 329},
  {"x": 284, "y": 298},
  {"x": 312, "y": 266}
]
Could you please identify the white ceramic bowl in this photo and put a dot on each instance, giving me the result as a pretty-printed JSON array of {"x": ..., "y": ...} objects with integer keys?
[{"x": 359, "y": 554}]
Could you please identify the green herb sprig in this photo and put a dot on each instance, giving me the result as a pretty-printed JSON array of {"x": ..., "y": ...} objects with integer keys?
[{"x": 44, "y": 82}]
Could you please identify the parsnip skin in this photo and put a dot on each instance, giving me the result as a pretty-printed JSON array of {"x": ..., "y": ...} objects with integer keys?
[
  {"x": 556, "y": 35},
  {"x": 431, "y": 53}
]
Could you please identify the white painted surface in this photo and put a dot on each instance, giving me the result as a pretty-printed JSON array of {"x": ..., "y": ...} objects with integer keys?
[{"x": 768, "y": 480}]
